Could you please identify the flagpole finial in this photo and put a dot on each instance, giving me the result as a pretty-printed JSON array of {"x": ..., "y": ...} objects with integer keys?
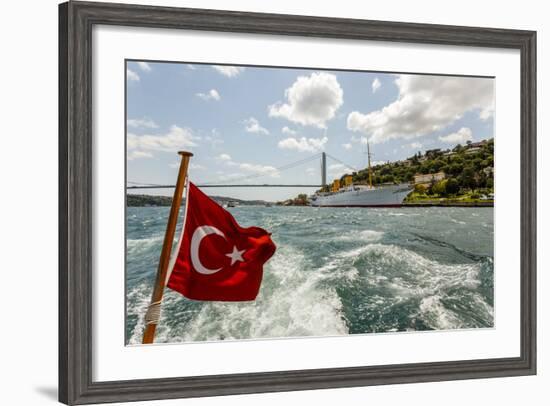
[{"x": 185, "y": 153}]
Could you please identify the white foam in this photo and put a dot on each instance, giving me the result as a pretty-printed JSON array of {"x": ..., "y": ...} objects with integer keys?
[
  {"x": 362, "y": 235},
  {"x": 292, "y": 302},
  {"x": 436, "y": 316}
]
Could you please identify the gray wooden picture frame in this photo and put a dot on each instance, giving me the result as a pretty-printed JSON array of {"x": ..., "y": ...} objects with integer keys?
[{"x": 76, "y": 20}]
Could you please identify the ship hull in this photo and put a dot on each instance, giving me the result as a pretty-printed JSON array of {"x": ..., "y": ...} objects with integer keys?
[{"x": 388, "y": 196}]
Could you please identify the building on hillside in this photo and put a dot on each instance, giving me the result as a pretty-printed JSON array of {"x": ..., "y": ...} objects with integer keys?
[
  {"x": 428, "y": 178},
  {"x": 433, "y": 152},
  {"x": 477, "y": 144},
  {"x": 473, "y": 150}
]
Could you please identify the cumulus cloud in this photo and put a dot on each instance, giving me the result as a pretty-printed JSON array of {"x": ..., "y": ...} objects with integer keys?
[
  {"x": 459, "y": 137},
  {"x": 212, "y": 94},
  {"x": 347, "y": 146},
  {"x": 425, "y": 104},
  {"x": 138, "y": 154},
  {"x": 288, "y": 131},
  {"x": 141, "y": 146},
  {"x": 311, "y": 100},
  {"x": 141, "y": 123},
  {"x": 360, "y": 140},
  {"x": 132, "y": 76},
  {"x": 303, "y": 144},
  {"x": 253, "y": 126},
  {"x": 337, "y": 170},
  {"x": 250, "y": 168},
  {"x": 144, "y": 66},
  {"x": 267, "y": 170},
  {"x": 376, "y": 85},
  {"x": 415, "y": 145},
  {"x": 376, "y": 163},
  {"x": 229, "y": 71}
]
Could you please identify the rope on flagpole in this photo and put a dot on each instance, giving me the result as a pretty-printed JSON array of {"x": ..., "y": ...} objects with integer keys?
[{"x": 153, "y": 313}]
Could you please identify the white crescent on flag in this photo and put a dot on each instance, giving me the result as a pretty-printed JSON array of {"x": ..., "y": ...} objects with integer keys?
[{"x": 198, "y": 235}]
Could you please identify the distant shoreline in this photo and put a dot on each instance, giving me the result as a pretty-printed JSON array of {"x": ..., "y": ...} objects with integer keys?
[{"x": 139, "y": 200}]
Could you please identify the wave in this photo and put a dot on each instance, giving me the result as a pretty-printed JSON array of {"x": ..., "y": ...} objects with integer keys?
[
  {"x": 292, "y": 302},
  {"x": 347, "y": 277},
  {"x": 144, "y": 243},
  {"x": 361, "y": 235}
]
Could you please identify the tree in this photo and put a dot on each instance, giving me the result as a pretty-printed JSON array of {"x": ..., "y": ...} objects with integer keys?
[
  {"x": 478, "y": 163},
  {"x": 452, "y": 187},
  {"x": 420, "y": 189},
  {"x": 458, "y": 148},
  {"x": 440, "y": 188},
  {"x": 467, "y": 177},
  {"x": 455, "y": 168}
]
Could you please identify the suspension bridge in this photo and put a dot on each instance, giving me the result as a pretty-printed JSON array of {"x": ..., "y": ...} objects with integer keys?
[{"x": 242, "y": 182}]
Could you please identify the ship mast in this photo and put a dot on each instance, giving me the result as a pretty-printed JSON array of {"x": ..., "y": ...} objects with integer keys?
[{"x": 370, "y": 171}]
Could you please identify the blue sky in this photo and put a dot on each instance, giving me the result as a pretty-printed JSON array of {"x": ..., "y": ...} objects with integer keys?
[{"x": 249, "y": 121}]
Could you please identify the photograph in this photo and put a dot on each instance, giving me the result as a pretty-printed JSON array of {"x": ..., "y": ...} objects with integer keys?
[{"x": 269, "y": 202}]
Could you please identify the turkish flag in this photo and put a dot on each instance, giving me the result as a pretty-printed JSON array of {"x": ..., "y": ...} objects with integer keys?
[{"x": 216, "y": 258}]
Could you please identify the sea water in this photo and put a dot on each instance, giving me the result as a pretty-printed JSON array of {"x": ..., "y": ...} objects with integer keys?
[{"x": 336, "y": 271}]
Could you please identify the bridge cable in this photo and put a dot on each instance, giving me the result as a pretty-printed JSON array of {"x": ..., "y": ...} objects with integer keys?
[{"x": 247, "y": 177}]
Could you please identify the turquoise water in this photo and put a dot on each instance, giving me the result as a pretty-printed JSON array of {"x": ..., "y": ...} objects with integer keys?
[{"x": 336, "y": 271}]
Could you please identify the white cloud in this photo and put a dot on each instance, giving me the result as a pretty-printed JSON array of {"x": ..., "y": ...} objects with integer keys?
[
  {"x": 376, "y": 85},
  {"x": 347, "y": 146},
  {"x": 229, "y": 71},
  {"x": 288, "y": 131},
  {"x": 260, "y": 169},
  {"x": 253, "y": 126},
  {"x": 311, "y": 100},
  {"x": 176, "y": 139},
  {"x": 376, "y": 163},
  {"x": 141, "y": 123},
  {"x": 144, "y": 66},
  {"x": 337, "y": 170},
  {"x": 257, "y": 169},
  {"x": 212, "y": 94},
  {"x": 459, "y": 137},
  {"x": 132, "y": 76},
  {"x": 191, "y": 67},
  {"x": 303, "y": 144},
  {"x": 138, "y": 154},
  {"x": 415, "y": 145},
  {"x": 425, "y": 104},
  {"x": 359, "y": 140}
]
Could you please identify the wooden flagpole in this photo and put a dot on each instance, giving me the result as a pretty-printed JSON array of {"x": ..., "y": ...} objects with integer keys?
[{"x": 153, "y": 312}]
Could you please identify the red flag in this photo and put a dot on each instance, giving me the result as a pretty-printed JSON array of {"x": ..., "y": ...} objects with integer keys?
[{"x": 216, "y": 258}]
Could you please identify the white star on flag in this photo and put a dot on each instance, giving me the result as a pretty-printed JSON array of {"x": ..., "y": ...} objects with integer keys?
[{"x": 236, "y": 255}]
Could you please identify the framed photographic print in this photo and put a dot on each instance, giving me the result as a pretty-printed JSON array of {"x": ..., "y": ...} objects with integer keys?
[{"x": 259, "y": 202}]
